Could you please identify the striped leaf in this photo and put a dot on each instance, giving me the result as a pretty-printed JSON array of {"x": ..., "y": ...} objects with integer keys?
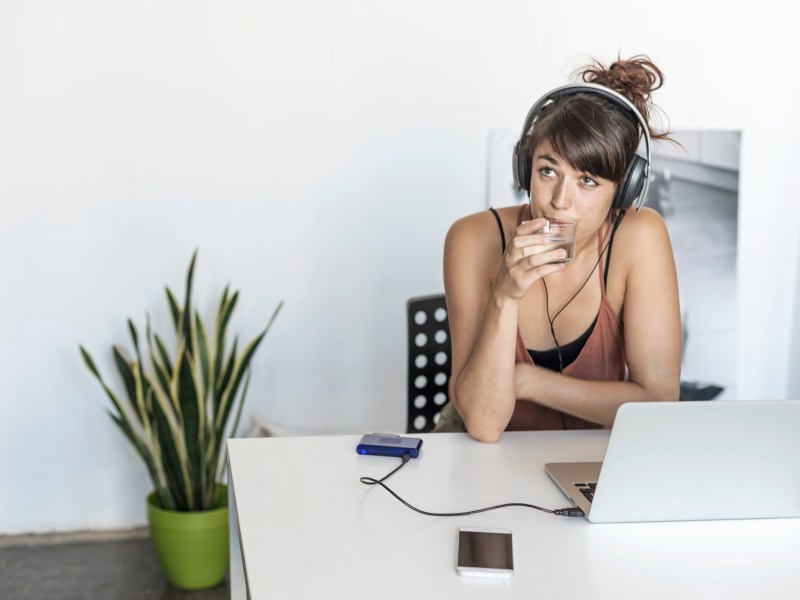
[
  {"x": 173, "y": 444},
  {"x": 230, "y": 391},
  {"x": 125, "y": 368},
  {"x": 219, "y": 333},
  {"x": 161, "y": 369},
  {"x": 174, "y": 308},
  {"x": 200, "y": 338},
  {"x": 225, "y": 377},
  {"x": 186, "y": 313},
  {"x": 164, "y": 355}
]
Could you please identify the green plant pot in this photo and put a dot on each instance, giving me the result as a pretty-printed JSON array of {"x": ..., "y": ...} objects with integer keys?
[{"x": 191, "y": 546}]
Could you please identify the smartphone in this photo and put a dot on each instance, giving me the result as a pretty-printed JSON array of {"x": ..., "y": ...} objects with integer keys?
[
  {"x": 388, "y": 444},
  {"x": 485, "y": 553}
]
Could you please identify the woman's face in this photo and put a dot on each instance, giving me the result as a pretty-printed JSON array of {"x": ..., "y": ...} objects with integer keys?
[{"x": 559, "y": 192}]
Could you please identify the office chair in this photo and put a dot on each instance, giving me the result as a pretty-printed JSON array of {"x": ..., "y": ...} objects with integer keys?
[{"x": 429, "y": 355}]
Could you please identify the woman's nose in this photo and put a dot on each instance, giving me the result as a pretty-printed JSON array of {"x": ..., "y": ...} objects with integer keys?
[{"x": 561, "y": 199}]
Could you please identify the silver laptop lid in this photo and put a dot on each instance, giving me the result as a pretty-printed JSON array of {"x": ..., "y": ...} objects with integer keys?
[{"x": 677, "y": 461}]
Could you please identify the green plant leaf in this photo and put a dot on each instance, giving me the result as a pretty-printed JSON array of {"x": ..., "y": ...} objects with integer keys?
[
  {"x": 174, "y": 308},
  {"x": 135, "y": 338},
  {"x": 231, "y": 387},
  {"x": 150, "y": 462},
  {"x": 125, "y": 368},
  {"x": 174, "y": 382},
  {"x": 164, "y": 491},
  {"x": 173, "y": 444},
  {"x": 242, "y": 397},
  {"x": 162, "y": 370},
  {"x": 121, "y": 411},
  {"x": 225, "y": 377},
  {"x": 164, "y": 355},
  {"x": 202, "y": 346},
  {"x": 219, "y": 340},
  {"x": 186, "y": 313},
  {"x": 226, "y": 307},
  {"x": 170, "y": 459},
  {"x": 89, "y": 362},
  {"x": 173, "y": 496},
  {"x": 190, "y": 402},
  {"x": 197, "y": 451},
  {"x": 123, "y": 421},
  {"x": 230, "y": 391}
]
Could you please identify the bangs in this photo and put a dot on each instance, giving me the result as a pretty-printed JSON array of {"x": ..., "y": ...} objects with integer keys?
[{"x": 585, "y": 137}]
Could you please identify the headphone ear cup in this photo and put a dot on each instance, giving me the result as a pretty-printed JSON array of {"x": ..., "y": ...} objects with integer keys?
[
  {"x": 523, "y": 171},
  {"x": 632, "y": 183}
]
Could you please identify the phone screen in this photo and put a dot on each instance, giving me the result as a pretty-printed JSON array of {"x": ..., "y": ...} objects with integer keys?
[{"x": 485, "y": 553}]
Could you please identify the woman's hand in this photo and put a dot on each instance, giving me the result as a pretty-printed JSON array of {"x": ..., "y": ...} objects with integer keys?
[
  {"x": 527, "y": 378},
  {"x": 529, "y": 256}
]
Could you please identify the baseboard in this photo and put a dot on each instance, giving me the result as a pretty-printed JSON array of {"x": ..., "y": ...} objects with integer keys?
[{"x": 71, "y": 537}]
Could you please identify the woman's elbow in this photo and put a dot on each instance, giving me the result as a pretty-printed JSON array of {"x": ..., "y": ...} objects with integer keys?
[
  {"x": 481, "y": 425},
  {"x": 487, "y": 435},
  {"x": 478, "y": 428},
  {"x": 664, "y": 392}
]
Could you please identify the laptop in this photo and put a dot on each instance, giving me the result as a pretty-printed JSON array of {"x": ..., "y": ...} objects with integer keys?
[{"x": 684, "y": 461}]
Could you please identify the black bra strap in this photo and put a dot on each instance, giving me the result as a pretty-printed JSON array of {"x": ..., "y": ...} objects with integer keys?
[
  {"x": 617, "y": 221},
  {"x": 500, "y": 225}
]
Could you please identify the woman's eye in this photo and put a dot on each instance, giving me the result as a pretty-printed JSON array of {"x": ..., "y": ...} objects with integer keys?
[
  {"x": 588, "y": 181},
  {"x": 546, "y": 171}
]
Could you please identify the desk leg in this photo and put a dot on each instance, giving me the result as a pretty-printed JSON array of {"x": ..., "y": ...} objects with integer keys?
[{"x": 237, "y": 576}]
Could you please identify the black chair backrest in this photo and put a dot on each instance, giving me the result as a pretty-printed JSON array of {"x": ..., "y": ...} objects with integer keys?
[{"x": 428, "y": 361}]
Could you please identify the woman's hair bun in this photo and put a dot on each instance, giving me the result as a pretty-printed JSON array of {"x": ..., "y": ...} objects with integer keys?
[{"x": 635, "y": 78}]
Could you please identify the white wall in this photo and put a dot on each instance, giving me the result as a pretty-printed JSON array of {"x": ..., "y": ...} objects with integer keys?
[{"x": 315, "y": 152}]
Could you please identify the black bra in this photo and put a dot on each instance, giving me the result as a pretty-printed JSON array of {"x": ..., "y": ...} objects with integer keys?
[{"x": 569, "y": 352}]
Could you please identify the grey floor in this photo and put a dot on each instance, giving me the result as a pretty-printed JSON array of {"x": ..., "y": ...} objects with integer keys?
[{"x": 118, "y": 569}]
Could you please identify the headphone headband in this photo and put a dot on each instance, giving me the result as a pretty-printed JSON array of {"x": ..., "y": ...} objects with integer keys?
[{"x": 612, "y": 96}]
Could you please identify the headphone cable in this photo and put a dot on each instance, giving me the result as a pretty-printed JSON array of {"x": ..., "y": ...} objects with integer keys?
[
  {"x": 551, "y": 321},
  {"x": 570, "y": 511}
]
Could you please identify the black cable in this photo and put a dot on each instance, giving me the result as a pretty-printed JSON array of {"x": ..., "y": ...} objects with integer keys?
[
  {"x": 562, "y": 512},
  {"x": 405, "y": 457},
  {"x": 553, "y": 320}
]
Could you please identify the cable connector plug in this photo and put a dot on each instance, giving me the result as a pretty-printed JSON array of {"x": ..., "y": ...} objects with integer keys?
[{"x": 572, "y": 511}]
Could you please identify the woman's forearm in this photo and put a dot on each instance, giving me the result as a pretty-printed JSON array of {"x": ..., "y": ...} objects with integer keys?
[
  {"x": 595, "y": 401},
  {"x": 485, "y": 389}
]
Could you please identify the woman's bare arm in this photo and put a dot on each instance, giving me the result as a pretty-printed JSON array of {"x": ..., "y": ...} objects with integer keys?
[{"x": 482, "y": 305}]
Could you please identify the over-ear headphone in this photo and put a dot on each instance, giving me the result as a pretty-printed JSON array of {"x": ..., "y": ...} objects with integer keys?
[{"x": 633, "y": 189}]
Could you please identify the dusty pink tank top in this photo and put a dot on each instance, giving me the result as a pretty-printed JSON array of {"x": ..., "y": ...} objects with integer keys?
[{"x": 601, "y": 359}]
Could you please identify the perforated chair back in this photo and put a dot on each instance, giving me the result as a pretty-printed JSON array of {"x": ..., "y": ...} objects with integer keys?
[{"x": 428, "y": 361}]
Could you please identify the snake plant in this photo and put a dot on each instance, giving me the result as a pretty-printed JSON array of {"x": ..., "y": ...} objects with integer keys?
[{"x": 176, "y": 409}]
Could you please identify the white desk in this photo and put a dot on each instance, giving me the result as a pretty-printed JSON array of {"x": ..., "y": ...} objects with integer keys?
[{"x": 309, "y": 529}]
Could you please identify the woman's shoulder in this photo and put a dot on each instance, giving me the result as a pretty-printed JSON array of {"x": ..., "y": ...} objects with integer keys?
[
  {"x": 482, "y": 226},
  {"x": 641, "y": 232},
  {"x": 644, "y": 223},
  {"x": 474, "y": 242}
]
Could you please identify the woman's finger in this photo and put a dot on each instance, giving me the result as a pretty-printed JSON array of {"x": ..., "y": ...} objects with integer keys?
[
  {"x": 521, "y": 245},
  {"x": 544, "y": 257},
  {"x": 532, "y": 226}
]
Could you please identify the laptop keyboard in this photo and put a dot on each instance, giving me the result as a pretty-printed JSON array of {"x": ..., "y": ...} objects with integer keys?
[{"x": 587, "y": 489}]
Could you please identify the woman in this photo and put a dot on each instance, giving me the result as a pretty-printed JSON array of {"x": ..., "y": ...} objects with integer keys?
[{"x": 538, "y": 343}]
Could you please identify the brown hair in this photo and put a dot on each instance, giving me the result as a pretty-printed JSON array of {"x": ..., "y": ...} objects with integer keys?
[{"x": 590, "y": 132}]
